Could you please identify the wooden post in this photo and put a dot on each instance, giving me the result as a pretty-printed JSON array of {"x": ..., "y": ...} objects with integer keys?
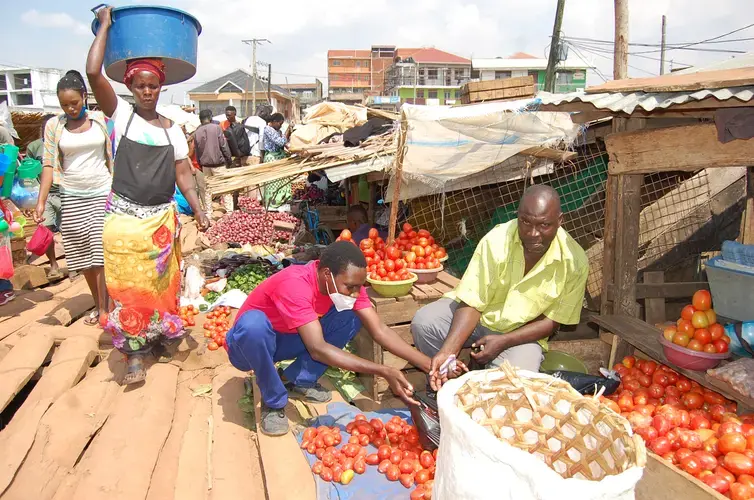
[
  {"x": 746, "y": 234},
  {"x": 397, "y": 179},
  {"x": 627, "y": 203},
  {"x": 552, "y": 60}
]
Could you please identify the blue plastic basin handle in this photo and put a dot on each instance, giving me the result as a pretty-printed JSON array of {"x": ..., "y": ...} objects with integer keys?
[{"x": 96, "y": 9}]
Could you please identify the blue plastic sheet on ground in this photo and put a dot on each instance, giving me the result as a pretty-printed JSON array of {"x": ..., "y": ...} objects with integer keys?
[{"x": 368, "y": 486}]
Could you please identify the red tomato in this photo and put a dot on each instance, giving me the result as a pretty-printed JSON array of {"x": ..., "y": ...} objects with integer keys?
[
  {"x": 644, "y": 380},
  {"x": 732, "y": 442},
  {"x": 407, "y": 228},
  {"x": 662, "y": 424},
  {"x": 382, "y": 468},
  {"x": 629, "y": 361},
  {"x": 692, "y": 400},
  {"x": 681, "y": 338},
  {"x": 656, "y": 391},
  {"x": 725, "y": 473},
  {"x": 710, "y": 349},
  {"x": 702, "y": 300},
  {"x": 648, "y": 434},
  {"x": 721, "y": 345},
  {"x": 682, "y": 453},
  {"x": 685, "y": 327},
  {"x": 407, "y": 480},
  {"x": 700, "y": 320},
  {"x": 740, "y": 491},
  {"x": 346, "y": 235},
  {"x": 392, "y": 472},
  {"x": 660, "y": 445},
  {"x": 691, "y": 464},
  {"x": 730, "y": 426},
  {"x": 688, "y": 312},
  {"x": 683, "y": 385},
  {"x": 699, "y": 422},
  {"x": 213, "y": 346},
  {"x": 703, "y": 335},
  {"x": 695, "y": 345},
  {"x": 373, "y": 459},
  {"x": 738, "y": 463},
  {"x": 746, "y": 479},
  {"x": 716, "y": 331},
  {"x": 706, "y": 459},
  {"x": 418, "y": 493},
  {"x": 717, "y": 482}
]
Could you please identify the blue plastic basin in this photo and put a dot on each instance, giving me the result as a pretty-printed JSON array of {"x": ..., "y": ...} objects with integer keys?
[{"x": 152, "y": 31}]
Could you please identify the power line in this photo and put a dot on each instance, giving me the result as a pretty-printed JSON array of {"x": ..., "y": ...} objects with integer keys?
[
  {"x": 596, "y": 69},
  {"x": 638, "y": 44},
  {"x": 604, "y": 51},
  {"x": 703, "y": 41},
  {"x": 610, "y": 58}
]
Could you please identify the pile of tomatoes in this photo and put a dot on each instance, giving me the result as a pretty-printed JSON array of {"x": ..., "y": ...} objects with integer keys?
[
  {"x": 216, "y": 327},
  {"x": 187, "y": 314},
  {"x": 421, "y": 251},
  {"x": 399, "y": 455},
  {"x": 694, "y": 428},
  {"x": 698, "y": 329}
]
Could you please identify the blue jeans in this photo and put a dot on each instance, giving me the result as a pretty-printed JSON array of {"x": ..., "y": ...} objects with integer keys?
[
  {"x": 5, "y": 286},
  {"x": 254, "y": 345}
]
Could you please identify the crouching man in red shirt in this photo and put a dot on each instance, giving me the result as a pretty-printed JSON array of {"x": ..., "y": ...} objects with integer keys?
[{"x": 308, "y": 313}]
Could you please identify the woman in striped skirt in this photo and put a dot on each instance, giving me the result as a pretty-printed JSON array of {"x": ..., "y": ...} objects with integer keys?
[{"x": 77, "y": 157}]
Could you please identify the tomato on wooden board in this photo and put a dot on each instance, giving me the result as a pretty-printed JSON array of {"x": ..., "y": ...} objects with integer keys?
[
  {"x": 717, "y": 482},
  {"x": 702, "y": 300}
]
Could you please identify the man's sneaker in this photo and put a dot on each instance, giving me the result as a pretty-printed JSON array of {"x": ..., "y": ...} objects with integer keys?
[
  {"x": 273, "y": 422},
  {"x": 6, "y": 297},
  {"x": 313, "y": 394}
]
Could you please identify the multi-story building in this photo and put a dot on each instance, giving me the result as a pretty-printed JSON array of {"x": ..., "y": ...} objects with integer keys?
[
  {"x": 570, "y": 75},
  {"x": 33, "y": 89},
  {"x": 427, "y": 76},
  {"x": 307, "y": 94},
  {"x": 387, "y": 71}
]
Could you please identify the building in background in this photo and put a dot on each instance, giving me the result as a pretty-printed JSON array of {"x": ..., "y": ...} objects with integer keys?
[
  {"x": 307, "y": 94},
  {"x": 385, "y": 72},
  {"x": 235, "y": 89},
  {"x": 427, "y": 76},
  {"x": 570, "y": 75},
  {"x": 30, "y": 89}
]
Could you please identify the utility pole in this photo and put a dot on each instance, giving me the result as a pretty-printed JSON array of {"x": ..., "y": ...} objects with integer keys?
[
  {"x": 552, "y": 61},
  {"x": 269, "y": 80},
  {"x": 253, "y": 42},
  {"x": 620, "y": 55},
  {"x": 662, "y": 47},
  {"x": 416, "y": 78}
]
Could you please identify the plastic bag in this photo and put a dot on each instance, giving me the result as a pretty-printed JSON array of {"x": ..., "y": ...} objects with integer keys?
[
  {"x": 587, "y": 384},
  {"x": 6, "y": 258},
  {"x": 193, "y": 284},
  {"x": 474, "y": 465}
]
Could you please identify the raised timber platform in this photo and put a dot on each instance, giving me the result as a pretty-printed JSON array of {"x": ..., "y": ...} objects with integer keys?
[
  {"x": 397, "y": 313},
  {"x": 645, "y": 338}
]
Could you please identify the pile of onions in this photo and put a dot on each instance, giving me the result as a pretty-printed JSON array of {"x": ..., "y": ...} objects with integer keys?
[{"x": 252, "y": 225}]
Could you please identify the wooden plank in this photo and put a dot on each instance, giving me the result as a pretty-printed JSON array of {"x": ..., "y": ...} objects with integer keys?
[
  {"x": 69, "y": 363},
  {"x": 404, "y": 331},
  {"x": 664, "y": 290},
  {"x": 399, "y": 312},
  {"x": 418, "y": 294},
  {"x": 448, "y": 280},
  {"x": 503, "y": 83},
  {"x": 442, "y": 287},
  {"x": 654, "y": 308},
  {"x": 133, "y": 435},
  {"x": 163, "y": 485},
  {"x": 491, "y": 95},
  {"x": 688, "y": 148},
  {"x": 286, "y": 472},
  {"x": 65, "y": 430},
  {"x": 429, "y": 291},
  {"x": 645, "y": 337},
  {"x": 661, "y": 480},
  {"x": 370, "y": 350},
  {"x": 236, "y": 468},
  {"x": 17, "y": 368},
  {"x": 378, "y": 299},
  {"x": 746, "y": 233},
  {"x": 674, "y": 82}
]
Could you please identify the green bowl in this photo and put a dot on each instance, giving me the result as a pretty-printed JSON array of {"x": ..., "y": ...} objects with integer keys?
[
  {"x": 557, "y": 360},
  {"x": 393, "y": 288}
]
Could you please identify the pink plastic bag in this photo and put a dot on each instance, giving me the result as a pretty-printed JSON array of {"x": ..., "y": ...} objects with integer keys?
[
  {"x": 40, "y": 241},
  {"x": 6, "y": 261}
]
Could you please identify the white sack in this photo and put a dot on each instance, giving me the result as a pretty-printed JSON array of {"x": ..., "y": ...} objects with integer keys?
[{"x": 475, "y": 465}]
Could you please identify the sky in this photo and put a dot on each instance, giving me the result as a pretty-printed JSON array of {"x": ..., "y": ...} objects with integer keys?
[{"x": 51, "y": 33}]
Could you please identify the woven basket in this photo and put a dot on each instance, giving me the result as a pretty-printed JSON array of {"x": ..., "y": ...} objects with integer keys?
[{"x": 574, "y": 435}]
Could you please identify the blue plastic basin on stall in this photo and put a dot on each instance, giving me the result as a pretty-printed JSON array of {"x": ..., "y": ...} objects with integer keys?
[{"x": 152, "y": 31}]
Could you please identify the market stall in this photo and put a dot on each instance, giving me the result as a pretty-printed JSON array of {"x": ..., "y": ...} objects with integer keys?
[{"x": 666, "y": 131}]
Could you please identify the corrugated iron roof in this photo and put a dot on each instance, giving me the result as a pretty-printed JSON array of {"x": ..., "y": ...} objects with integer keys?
[{"x": 627, "y": 103}]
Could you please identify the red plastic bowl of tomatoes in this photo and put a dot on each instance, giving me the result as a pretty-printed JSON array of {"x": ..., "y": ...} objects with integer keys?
[{"x": 683, "y": 357}]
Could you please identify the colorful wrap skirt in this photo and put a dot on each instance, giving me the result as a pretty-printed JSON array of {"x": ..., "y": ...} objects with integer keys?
[{"x": 142, "y": 274}]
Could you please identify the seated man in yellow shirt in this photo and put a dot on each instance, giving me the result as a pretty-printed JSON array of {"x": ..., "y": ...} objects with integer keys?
[{"x": 526, "y": 278}]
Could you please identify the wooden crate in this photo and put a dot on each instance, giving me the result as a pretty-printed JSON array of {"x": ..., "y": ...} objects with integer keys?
[
  {"x": 661, "y": 480},
  {"x": 497, "y": 90},
  {"x": 397, "y": 313}
]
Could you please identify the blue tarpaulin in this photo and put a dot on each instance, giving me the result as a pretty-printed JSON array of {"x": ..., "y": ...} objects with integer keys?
[{"x": 368, "y": 486}]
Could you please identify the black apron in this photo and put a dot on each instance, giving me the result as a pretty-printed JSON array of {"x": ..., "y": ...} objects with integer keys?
[{"x": 143, "y": 173}]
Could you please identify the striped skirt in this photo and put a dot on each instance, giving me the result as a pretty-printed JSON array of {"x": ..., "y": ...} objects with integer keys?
[{"x": 82, "y": 222}]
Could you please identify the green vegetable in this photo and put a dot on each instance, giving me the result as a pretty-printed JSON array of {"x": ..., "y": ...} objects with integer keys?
[{"x": 203, "y": 307}]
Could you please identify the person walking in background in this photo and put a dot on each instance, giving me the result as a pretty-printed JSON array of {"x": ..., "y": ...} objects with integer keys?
[
  {"x": 52, "y": 213},
  {"x": 214, "y": 157},
  {"x": 6, "y": 287},
  {"x": 255, "y": 126},
  {"x": 278, "y": 193},
  {"x": 142, "y": 265},
  {"x": 235, "y": 133},
  {"x": 77, "y": 158}
]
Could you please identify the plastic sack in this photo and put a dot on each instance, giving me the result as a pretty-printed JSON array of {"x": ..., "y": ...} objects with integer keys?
[
  {"x": 193, "y": 284},
  {"x": 6, "y": 258},
  {"x": 473, "y": 464},
  {"x": 587, "y": 385},
  {"x": 40, "y": 241}
]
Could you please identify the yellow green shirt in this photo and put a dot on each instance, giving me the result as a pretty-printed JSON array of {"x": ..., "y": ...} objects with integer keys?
[{"x": 495, "y": 285}]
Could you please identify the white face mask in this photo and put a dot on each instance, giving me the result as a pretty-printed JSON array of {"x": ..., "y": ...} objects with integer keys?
[{"x": 340, "y": 301}]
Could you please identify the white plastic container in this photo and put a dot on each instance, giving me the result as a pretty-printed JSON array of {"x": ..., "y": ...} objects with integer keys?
[{"x": 732, "y": 291}]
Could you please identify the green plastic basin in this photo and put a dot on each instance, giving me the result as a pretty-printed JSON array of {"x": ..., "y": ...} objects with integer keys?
[{"x": 557, "y": 360}]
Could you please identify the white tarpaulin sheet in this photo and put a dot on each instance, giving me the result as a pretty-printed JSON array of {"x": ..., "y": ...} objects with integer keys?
[{"x": 447, "y": 143}]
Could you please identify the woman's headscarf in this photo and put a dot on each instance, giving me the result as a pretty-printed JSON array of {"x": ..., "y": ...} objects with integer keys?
[{"x": 154, "y": 66}]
